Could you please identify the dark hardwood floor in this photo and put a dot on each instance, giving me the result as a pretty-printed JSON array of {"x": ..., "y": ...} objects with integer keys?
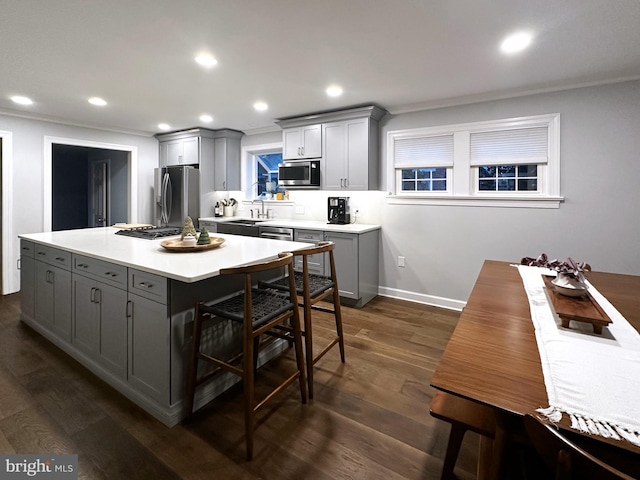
[{"x": 369, "y": 419}]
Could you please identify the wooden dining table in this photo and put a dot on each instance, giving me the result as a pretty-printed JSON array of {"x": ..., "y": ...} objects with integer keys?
[{"x": 492, "y": 356}]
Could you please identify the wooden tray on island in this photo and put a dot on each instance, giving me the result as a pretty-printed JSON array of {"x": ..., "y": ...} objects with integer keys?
[
  {"x": 581, "y": 309},
  {"x": 177, "y": 246}
]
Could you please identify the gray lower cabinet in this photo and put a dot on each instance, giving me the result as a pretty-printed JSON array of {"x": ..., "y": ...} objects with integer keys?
[
  {"x": 53, "y": 299},
  {"x": 149, "y": 348},
  {"x": 100, "y": 323},
  {"x": 356, "y": 260},
  {"x": 315, "y": 263},
  {"x": 27, "y": 278}
]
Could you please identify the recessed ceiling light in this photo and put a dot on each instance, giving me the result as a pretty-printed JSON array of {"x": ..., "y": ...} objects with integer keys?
[
  {"x": 21, "y": 100},
  {"x": 516, "y": 42},
  {"x": 260, "y": 106},
  {"x": 164, "y": 126},
  {"x": 206, "y": 118},
  {"x": 99, "y": 102},
  {"x": 334, "y": 91},
  {"x": 206, "y": 60}
]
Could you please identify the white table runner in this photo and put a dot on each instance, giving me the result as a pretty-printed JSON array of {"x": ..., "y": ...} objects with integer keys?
[{"x": 595, "y": 379}]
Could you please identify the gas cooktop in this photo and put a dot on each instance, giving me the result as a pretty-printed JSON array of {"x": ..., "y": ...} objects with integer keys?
[{"x": 150, "y": 233}]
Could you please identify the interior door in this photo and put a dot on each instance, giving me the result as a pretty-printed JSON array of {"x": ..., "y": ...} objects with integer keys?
[{"x": 98, "y": 197}]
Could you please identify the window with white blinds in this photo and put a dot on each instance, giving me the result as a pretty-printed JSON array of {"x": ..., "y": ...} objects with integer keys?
[
  {"x": 516, "y": 146},
  {"x": 428, "y": 151},
  {"x": 508, "y": 162}
]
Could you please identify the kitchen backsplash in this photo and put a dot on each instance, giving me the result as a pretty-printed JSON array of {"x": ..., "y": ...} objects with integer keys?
[{"x": 309, "y": 205}]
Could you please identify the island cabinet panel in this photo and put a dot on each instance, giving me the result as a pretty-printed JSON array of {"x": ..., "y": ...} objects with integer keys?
[
  {"x": 100, "y": 323},
  {"x": 149, "y": 348},
  {"x": 104, "y": 272},
  {"x": 27, "y": 278},
  {"x": 53, "y": 299}
]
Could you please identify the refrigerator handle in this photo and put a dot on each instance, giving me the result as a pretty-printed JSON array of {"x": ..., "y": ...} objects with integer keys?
[
  {"x": 168, "y": 200},
  {"x": 166, "y": 185}
]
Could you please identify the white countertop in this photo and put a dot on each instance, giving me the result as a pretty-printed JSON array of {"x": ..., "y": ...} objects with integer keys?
[
  {"x": 150, "y": 256},
  {"x": 303, "y": 224}
]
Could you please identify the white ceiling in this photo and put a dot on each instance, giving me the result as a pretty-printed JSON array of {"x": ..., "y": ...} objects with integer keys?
[{"x": 400, "y": 54}]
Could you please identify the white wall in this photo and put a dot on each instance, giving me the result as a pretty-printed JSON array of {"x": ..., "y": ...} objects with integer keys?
[
  {"x": 27, "y": 177},
  {"x": 599, "y": 223}
]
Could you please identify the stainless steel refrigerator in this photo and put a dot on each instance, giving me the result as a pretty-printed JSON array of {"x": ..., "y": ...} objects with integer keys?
[{"x": 177, "y": 195}]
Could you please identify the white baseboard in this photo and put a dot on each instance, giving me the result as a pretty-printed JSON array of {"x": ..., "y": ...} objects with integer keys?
[{"x": 432, "y": 300}]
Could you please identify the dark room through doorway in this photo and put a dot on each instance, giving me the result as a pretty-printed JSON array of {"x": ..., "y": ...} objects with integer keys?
[{"x": 89, "y": 187}]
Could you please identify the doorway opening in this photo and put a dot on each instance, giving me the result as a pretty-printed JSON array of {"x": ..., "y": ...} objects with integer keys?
[
  {"x": 89, "y": 187},
  {"x": 119, "y": 187}
]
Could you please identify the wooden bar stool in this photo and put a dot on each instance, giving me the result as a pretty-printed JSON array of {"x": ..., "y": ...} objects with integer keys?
[
  {"x": 311, "y": 289},
  {"x": 259, "y": 311},
  {"x": 463, "y": 415}
]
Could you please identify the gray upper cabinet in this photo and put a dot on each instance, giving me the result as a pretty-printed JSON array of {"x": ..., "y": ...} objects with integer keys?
[
  {"x": 182, "y": 151},
  {"x": 349, "y": 146},
  {"x": 302, "y": 142},
  {"x": 187, "y": 147},
  {"x": 226, "y": 166},
  {"x": 350, "y": 161}
]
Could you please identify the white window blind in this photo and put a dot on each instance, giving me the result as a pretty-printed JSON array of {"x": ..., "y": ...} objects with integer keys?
[
  {"x": 510, "y": 147},
  {"x": 432, "y": 151}
]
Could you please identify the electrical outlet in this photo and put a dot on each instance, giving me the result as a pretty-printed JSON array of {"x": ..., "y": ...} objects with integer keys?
[
  {"x": 357, "y": 213},
  {"x": 300, "y": 209},
  {"x": 400, "y": 261}
]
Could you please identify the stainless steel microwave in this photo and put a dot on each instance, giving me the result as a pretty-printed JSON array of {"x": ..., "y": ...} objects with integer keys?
[{"x": 299, "y": 173}]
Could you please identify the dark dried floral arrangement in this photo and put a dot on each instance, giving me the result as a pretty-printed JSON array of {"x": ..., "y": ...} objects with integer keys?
[{"x": 569, "y": 267}]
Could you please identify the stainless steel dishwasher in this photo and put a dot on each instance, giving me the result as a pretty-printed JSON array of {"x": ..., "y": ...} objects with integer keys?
[{"x": 277, "y": 233}]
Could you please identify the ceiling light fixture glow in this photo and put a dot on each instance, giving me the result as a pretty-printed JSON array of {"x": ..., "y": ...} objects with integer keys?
[
  {"x": 516, "y": 42},
  {"x": 97, "y": 101},
  {"x": 164, "y": 126},
  {"x": 21, "y": 100},
  {"x": 260, "y": 106},
  {"x": 206, "y": 60},
  {"x": 206, "y": 118},
  {"x": 334, "y": 91}
]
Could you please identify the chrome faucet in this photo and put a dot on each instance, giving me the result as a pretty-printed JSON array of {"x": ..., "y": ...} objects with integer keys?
[{"x": 261, "y": 214}]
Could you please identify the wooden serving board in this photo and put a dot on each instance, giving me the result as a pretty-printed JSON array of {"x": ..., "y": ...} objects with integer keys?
[
  {"x": 177, "y": 245},
  {"x": 580, "y": 309}
]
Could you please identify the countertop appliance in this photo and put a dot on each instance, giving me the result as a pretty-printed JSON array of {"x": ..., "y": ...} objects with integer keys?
[
  {"x": 299, "y": 174},
  {"x": 177, "y": 194},
  {"x": 338, "y": 210},
  {"x": 150, "y": 233}
]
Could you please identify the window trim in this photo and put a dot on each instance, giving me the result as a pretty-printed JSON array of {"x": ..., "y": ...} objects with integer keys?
[{"x": 462, "y": 178}]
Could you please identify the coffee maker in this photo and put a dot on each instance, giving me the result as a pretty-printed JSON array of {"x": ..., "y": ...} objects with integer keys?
[{"x": 338, "y": 210}]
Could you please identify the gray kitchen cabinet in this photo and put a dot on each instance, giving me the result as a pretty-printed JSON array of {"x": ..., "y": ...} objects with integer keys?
[
  {"x": 226, "y": 169},
  {"x": 315, "y": 263},
  {"x": 211, "y": 226},
  {"x": 53, "y": 290},
  {"x": 27, "y": 278},
  {"x": 349, "y": 145},
  {"x": 356, "y": 261},
  {"x": 149, "y": 348},
  {"x": 302, "y": 142},
  {"x": 187, "y": 147},
  {"x": 350, "y": 159},
  {"x": 100, "y": 323},
  {"x": 182, "y": 151}
]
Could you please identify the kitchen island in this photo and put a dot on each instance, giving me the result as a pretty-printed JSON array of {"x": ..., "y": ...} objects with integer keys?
[{"x": 123, "y": 307}]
